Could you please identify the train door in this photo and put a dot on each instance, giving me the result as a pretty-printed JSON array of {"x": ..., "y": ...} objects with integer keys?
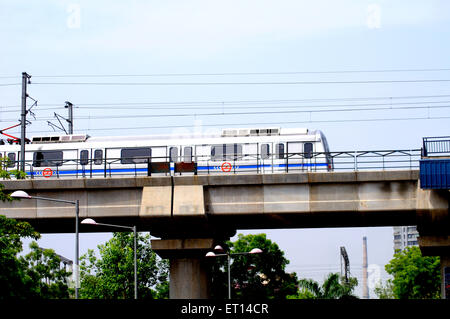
[
  {"x": 301, "y": 156},
  {"x": 97, "y": 163},
  {"x": 174, "y": 156},
  {"x": 295, "y": 159},
  {"x": 250, "y": 159},
  {"x": 11, "y": 160},
  {"x": 203, "y": 158},
  {"x": 265, "y": 160},
  {"x": 83, "y": 165},
  {"x": 279, "y": 157}
]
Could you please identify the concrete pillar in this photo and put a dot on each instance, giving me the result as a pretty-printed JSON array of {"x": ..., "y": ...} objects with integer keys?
[
  {"x": 188, "y": 279},
  {"x": 188, "y": 272},
  {"x": 438, "y": 246},
  {"x": 445, "y": 277}
]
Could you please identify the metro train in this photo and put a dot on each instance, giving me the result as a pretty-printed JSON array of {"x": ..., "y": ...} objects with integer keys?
[{"x": 262, "y": 150}]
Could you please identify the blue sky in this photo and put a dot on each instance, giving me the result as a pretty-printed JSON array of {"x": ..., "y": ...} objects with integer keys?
[{"x": 47, "y": 38}]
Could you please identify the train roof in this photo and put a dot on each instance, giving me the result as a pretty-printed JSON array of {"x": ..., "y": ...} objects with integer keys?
[{"x": 229, "y": 132}]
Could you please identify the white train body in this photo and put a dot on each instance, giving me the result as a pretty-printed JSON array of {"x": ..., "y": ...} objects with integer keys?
[{"x": 268, "y": 150}]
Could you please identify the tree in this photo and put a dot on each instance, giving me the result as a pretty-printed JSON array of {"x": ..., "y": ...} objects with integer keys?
[
  {"x": 334, "y": 287},
  {"x": 385, "y": 291},
  {"x": 112, "y": 275},
  {"x": 253, "y": 276},
  {"x": 13, "y": 280},
  {"x": 415, "y": 276},
  {"x": 43, "y": 269},
  {"x": 37, "y": 275}
]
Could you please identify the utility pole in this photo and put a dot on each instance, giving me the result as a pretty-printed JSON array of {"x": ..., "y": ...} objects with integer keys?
[
  {"x": 23, "y": 119},
  {"x": 70, "y": 120}
]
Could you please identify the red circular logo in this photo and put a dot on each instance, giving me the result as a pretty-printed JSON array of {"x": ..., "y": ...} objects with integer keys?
[
  {"x": 226, "y": 167},
  {"x": 47, "y": 172}
]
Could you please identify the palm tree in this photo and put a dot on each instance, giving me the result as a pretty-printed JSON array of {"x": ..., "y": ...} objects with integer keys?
[{"x": 332, "y": 288}]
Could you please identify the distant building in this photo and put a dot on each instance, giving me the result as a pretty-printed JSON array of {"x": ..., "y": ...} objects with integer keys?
[{"x": 405, "y": 236}]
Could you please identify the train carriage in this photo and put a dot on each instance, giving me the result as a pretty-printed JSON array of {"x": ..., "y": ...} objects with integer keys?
[{"x": 260, "y": 150}]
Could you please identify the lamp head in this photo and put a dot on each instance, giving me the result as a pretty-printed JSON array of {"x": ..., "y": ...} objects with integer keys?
[
  {"x": 20, "y": 194},
  {"x": 255, "y": 251},
  {"x": 210, "y": 254},
  {"x": 89, "y": 221},
  {"x": 219, "y": 249}
]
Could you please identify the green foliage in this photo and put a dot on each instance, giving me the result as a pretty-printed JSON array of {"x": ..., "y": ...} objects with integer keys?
[
  {"x": 385, "y": 291},
  {"x": 36, "y": 275},
  {"x": 47, "y": 279},
  {"x": 253, "y": 276},
  {"x": 415, "y": 276},
  {"x": 334, "y": 287},
  {"x": 112, "y": 275},
  {"x": 13, "y": 283},
  {"x": 6, "y": 173}
]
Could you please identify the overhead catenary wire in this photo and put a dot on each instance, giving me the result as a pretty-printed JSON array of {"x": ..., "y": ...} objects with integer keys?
[
  {"x": 247, "y": 113},
  {"x": 240, "y": 102},
  {"x": 277, "y": 123},
  {"x": 241, "y": 83},
  {"x": 238, "y": 73},
  {"x": 140, "y": 107}
]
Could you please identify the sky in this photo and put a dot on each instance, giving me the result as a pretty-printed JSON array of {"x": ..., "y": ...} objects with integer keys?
[{"x": 378, "y": 71}]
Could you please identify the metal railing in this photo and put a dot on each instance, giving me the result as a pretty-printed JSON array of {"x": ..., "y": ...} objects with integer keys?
[
  {"x": 436, "y": 146},
  {"x": 245, "y": 163}
]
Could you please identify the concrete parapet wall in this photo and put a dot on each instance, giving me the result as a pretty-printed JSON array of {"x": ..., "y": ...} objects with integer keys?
[{"x": 209, "y": 203}]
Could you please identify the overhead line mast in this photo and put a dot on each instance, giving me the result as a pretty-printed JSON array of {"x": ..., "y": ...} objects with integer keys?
[{"x": 23, "y": 118}]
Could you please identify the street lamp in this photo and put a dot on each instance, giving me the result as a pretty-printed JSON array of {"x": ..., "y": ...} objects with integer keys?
[
  {"x": 22, "y": 194},
  {"x": 90, "y": 221},
  {"x": 221, "y": 251}
]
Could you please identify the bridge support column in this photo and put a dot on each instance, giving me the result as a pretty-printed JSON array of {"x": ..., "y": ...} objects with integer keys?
[
  {"x": 188, "y": 272},
  {"x": 433, "y": 224},
  {"x": 445, "y": 275}
]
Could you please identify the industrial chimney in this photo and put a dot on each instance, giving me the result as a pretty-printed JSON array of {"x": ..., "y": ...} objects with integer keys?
[{"x": 365, "y": 288}]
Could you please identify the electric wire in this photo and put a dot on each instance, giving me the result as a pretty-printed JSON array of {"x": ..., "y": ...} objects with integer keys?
[
  {"x": 240, "y": 102},
  {"x": 245, "y": 113},
  {"x": 240, "y": 83},
  {"x": 236, "y": 73},
  {"x": 253, "y": 123}
]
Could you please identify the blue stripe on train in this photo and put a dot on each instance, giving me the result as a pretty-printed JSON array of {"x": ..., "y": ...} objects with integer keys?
[{"x": 199, "y": 168}]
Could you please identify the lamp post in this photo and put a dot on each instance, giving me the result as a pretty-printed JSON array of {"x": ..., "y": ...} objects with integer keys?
[
  {"x": 22, "y": 194},
  {"x": 219, "y": 248},
  {"x": 90, "y": 221}
]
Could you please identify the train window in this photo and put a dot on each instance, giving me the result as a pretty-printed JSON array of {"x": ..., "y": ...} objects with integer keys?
[
  {"x": 217, "y": 152},
  {"x": 84, "y": 157},
  {"x": 98, "y": 157},
  {"x": 12, "y": 159},
  {"x": 265, "y": 151},
  {"x": 280, "y": 150},
  {"x": 237, "y": 154},
  {"x": 135, "y": 155},
  {"x": 226, "y": 152},
  {"x": 308, "y": 150},
  {"x": 173, "y": 154},
  {"x": 47, "y": 158},
  {"x": 188, "y": 154}
]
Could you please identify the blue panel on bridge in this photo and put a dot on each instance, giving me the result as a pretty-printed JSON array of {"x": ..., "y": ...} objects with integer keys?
[{"x": 435, "y": 173}]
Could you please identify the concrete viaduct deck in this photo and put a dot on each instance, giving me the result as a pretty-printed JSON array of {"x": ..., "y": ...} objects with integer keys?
[{"x": 190, "y": 213}]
